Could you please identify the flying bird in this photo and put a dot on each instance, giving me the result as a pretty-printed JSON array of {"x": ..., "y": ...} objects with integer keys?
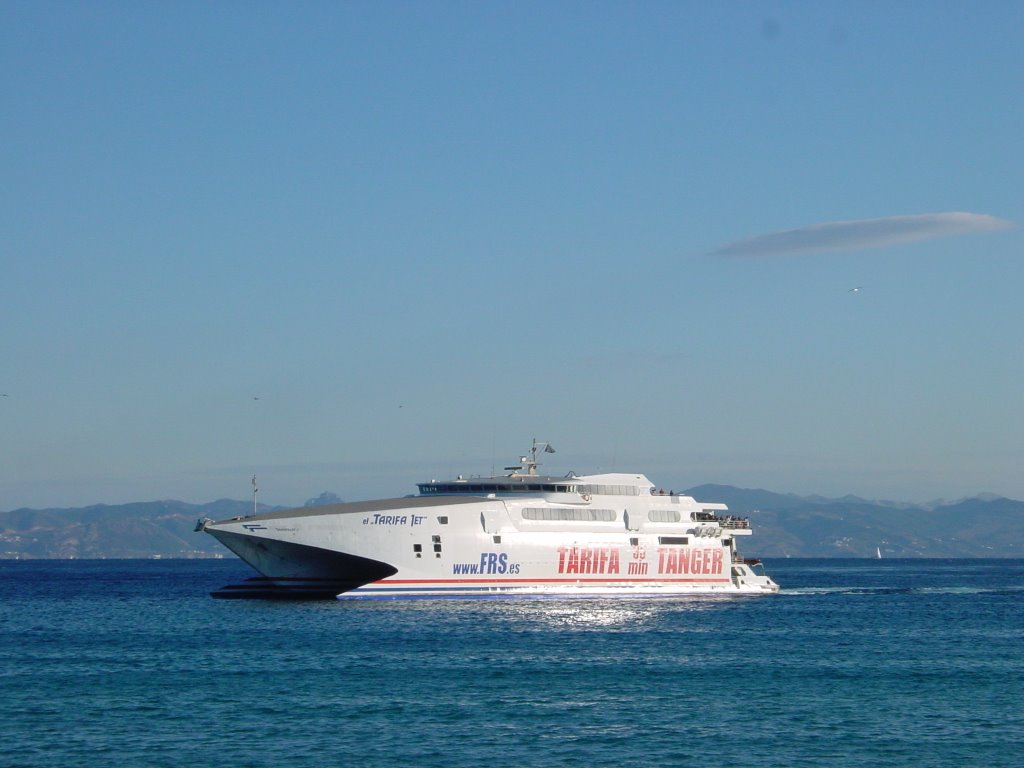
[{"x": 855, "y": 289}]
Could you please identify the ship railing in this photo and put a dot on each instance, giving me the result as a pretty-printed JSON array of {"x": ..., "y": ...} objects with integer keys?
[{"x": 734, "y": 522}]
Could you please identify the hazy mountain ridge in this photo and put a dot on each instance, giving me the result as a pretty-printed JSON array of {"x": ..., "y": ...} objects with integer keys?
[
  {"x": 785, "y": 525},
  {"x": 137, "y": 530},
  {"x": 815, "y": 526}
]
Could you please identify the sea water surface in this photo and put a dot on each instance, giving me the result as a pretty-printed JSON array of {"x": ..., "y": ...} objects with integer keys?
[{"x": 855, "y": 663}]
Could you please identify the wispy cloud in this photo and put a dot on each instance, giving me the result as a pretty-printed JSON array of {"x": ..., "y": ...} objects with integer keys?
[{"x": 865, "y": 233}]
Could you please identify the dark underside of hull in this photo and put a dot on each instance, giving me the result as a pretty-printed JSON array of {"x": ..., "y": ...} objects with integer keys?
[
  {"x": 302, "y": 572},
  {"x": 263, "y": 588}
]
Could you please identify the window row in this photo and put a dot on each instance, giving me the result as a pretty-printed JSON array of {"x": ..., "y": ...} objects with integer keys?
[
  {"x": 610, "y": 490},
  {"x": 431, "y": 489},
  {"x": 580, "y": 515}
]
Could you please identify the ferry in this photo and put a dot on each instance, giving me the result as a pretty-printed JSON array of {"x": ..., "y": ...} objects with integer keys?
[{"x": 516, "y": 534}]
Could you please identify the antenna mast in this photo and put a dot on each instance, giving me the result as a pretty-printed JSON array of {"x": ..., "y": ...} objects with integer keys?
[{"x": 544, "y": 447}]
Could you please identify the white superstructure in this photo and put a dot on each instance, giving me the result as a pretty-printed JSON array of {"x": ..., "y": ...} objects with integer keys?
[{"x": 516, "y": 534}]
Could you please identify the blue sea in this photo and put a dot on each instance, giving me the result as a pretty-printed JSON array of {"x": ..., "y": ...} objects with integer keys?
[{"x": 855, "y": 663}]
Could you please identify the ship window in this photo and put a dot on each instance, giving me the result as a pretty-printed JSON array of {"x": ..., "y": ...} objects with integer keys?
[
  {"x": 683, "y": 540},
  {"x": 608, "y": 490},
  {"x": 634, "y": 541},
  {"x": 663, "y": 515},
  {"x": 437, "y": 554},
  {"x": 417, "y": 547},
  {"x": 576, "y": 515},
  {"x": 435, "y": 539},
  {"x": 497, "y": 539},
  {"x": 443, "y": 519}
]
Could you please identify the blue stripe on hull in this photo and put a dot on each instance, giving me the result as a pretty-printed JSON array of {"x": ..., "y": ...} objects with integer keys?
[{"x": 476, "y": 593}]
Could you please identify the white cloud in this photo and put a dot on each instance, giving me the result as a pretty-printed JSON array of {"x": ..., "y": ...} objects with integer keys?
[{"x": 865, "y": 233}]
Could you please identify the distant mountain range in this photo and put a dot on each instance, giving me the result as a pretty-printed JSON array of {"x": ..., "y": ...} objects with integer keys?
[{"x": 784, "y": 525}]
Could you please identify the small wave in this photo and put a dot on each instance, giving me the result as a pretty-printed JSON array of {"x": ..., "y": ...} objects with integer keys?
[
  {"x": 941, "y": 590},
  {"x": 815, "y": 591}
]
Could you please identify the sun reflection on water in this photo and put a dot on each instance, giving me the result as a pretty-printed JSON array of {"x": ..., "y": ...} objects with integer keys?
[{"x": 607, "y": 614}]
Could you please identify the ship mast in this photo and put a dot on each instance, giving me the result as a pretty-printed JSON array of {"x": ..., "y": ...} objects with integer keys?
[{"x": 529, "y": 463}]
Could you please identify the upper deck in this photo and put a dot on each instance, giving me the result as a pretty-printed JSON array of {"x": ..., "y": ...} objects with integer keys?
[
  {"x": 573, "y": 490},
  {"x": 516, "y": 484}
]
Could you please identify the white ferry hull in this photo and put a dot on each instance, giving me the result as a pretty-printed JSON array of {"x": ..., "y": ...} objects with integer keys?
[{"x": 468, "y": 546}]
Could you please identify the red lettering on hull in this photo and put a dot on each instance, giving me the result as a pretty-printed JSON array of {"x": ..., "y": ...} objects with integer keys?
[
  {"x": 671, "y": 560},
  {"x": 588, "y": 560},
  {"x": 689, "y": 561}
]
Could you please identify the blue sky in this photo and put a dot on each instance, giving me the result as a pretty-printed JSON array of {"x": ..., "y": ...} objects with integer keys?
[{"x": 424, "y": 233}]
